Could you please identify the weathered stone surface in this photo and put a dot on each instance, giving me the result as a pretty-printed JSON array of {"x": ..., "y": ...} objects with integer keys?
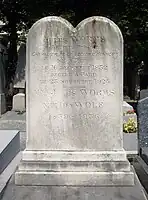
[
  {"x": 82, "y": 70},
  {"x": 14, "y": 192},
  {"x": 17, "y": 121},
  {"x": 143, "y": 125},
  {"x": 74, "y": 84}
]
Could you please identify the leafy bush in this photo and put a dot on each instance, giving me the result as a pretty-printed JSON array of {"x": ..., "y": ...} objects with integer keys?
[{"x": 130, "y": 126}]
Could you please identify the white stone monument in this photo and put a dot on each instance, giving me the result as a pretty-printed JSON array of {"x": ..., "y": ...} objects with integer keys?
[{"x": 74, "y": 83}]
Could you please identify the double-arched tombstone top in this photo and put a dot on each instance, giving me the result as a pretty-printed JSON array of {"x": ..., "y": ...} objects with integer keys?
[{"x": 74, "y": 82}]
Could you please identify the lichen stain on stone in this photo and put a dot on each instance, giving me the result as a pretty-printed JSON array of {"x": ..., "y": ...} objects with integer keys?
[{"x": 94, "y": 43}]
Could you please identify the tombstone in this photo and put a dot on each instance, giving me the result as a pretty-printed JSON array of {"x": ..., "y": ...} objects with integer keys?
[
  {"x": 3, "y": 58},
  {"x": 143, "y": 93},
  {"x": 143, "y": 122},
  {"x": 19, "y": 81},
  {"x": 74, "y": 83},
  {"x": 19, "y": 102}
]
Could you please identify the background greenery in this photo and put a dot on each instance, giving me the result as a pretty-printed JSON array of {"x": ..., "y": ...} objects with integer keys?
[{"x": 130, "y": 15}]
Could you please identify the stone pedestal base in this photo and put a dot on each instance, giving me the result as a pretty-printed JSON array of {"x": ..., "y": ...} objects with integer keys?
[
  {"x": 14, "y": 192},
  {"x": 19, "y": 102},
  {"x": 74, "y": 169},
  {"x": 2, "y": 104}
]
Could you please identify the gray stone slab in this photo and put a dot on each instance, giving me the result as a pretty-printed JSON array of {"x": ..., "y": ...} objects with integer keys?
[
  {"x": 9, "y": 170},
  {"x": 142, "y": 171},
  {"x": 9, "y": 147},
  {"x": 14, "y": 192},
  {"x": 145, "y": 151},
  {"x": 143, "y": 93},
  {"x": 143, "y": 122},
  {"x": 143, "y": 160},
  {"x": 144, "y": 154}
]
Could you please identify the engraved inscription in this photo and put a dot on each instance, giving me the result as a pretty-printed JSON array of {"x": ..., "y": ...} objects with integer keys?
[
  {"x": 66, "y": 82},
  {"x": 73, "y": 68},
  {"x": 64, "y": 42},
  {"x": 114, "y": 54},
  {"x": 76, "y": 105},
  {"x": 86, "y": 116},
  {"x": 86, "y": 92}
]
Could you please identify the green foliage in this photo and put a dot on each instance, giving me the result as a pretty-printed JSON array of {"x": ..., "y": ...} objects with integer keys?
[
  {"x": 130, "y": 126},
  {"x": 130, "y": 15}
]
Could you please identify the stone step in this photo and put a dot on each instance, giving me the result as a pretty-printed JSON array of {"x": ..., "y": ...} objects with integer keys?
[
  {"x": 75, "y": 166},
  {"x": 74, "y": 178}
]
